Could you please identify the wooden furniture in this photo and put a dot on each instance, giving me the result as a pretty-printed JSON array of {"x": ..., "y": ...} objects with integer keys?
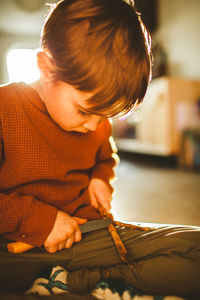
[{"x": 170, "y": 106}]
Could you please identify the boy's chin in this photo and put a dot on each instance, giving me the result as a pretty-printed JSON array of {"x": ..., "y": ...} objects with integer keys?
[
  {"x": 79, "y": 130},
  {"x": 82, "y": 131}
]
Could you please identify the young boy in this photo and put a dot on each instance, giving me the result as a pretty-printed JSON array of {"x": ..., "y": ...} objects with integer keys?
[{"x": 57, "y": 158}]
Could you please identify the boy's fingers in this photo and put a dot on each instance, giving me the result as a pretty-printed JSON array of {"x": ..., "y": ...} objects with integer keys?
[
  {"x": 104, "y": 200},
  {"x": 77, "y": 236},
  {"x": 106, "y": 204},
  {"x": 51, "y": 249},
  {"x": 93, "y": 200},
  {"x": 69, "y": 242},
  {"x": 80, "y": 220},
  {"x": 61, "y": 246}
]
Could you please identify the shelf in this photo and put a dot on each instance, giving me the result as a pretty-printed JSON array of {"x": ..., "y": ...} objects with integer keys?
[{"x": 133, "y": 145}]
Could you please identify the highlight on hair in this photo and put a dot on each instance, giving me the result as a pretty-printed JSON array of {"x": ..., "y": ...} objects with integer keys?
[{"x": 103, "y": 47}]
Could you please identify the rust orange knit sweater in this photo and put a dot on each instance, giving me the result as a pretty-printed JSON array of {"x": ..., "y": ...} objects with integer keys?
[{"x": 44, "y": 168}]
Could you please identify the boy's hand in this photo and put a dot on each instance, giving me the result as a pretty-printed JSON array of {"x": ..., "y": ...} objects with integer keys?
[
  {"x": 100, "y": 193},
  {"x": 65, "y": 232}
]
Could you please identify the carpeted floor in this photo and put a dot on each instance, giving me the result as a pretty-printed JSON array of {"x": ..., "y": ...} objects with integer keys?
[{"x": 154, "y": 189}]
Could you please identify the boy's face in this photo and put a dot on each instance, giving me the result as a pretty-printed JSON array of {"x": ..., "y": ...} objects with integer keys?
[{"x": 68, "y": 107}]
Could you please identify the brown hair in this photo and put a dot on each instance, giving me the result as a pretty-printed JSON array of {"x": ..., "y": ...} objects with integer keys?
[{"x": 100, "y": 46}]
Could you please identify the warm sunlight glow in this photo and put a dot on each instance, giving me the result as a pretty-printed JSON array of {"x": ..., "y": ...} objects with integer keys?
[{"x": 21, "y": 65}]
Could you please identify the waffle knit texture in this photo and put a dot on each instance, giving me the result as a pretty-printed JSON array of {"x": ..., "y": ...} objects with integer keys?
[{"x": 44, "y": 168}]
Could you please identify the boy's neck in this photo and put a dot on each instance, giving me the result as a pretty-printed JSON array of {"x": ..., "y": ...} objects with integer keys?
[{"x": 38, "y": 88}]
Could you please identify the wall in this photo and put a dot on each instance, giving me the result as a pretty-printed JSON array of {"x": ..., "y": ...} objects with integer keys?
[
  {"x": 20, "y": 25},
  {"x": 178, "y": 32},
  {"x": 9, "y": 41}
]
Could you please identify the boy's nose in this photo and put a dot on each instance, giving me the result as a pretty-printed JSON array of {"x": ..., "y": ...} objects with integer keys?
[{"x": 93, "y": 122}]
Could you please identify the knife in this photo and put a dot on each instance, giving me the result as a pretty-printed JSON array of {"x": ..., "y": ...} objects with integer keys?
[{"x": 20, "y": 247}]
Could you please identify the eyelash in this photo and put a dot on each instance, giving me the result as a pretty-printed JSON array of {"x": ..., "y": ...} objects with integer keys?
[{"x": 82, "y": 113}]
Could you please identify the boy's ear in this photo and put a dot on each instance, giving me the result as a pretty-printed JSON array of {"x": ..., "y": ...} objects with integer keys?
[{"x": 45, "y": 66}]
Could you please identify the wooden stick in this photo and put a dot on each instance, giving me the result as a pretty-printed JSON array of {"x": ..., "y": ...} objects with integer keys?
[
  {"x": 19, "y": 247},
  {"x": 116, "y": 238}
]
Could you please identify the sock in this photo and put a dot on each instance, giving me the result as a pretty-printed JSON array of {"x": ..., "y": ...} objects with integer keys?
[
  {"x": 117, "y": 289},
  {"x": 55, "y": 284}
]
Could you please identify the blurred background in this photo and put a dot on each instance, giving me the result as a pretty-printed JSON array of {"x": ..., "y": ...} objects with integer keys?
[{"x": 158, "y": 179}]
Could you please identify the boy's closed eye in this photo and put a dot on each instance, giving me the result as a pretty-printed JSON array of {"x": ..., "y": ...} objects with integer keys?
[
  {"x": 83, "y": 113},
  {"x": 88, "y": 115}
]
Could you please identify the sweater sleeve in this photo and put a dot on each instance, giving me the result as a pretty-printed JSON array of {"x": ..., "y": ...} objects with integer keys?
[
  {"x": 20, "y": 216},
  {"x": 1, "y": 143},
  {"x": 106, "y": 158}
]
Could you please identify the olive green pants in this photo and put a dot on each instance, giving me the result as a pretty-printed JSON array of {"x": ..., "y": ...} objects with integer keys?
[{"x": 166, "y": 261}]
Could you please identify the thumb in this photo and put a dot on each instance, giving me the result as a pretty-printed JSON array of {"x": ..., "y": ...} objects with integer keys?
[{"x": 80, "y": 220}]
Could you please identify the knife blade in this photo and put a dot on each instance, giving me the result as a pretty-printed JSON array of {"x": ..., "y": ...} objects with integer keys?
[{"x": 95, "y": 225}]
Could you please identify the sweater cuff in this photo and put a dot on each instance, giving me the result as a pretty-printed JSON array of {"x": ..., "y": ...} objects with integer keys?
[
  {"x": 103, "y": 172},
  {"x": 36, "y": 227}
]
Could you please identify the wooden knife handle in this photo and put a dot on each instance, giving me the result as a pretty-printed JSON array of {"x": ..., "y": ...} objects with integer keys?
[{"x": 19, "y": 247}]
